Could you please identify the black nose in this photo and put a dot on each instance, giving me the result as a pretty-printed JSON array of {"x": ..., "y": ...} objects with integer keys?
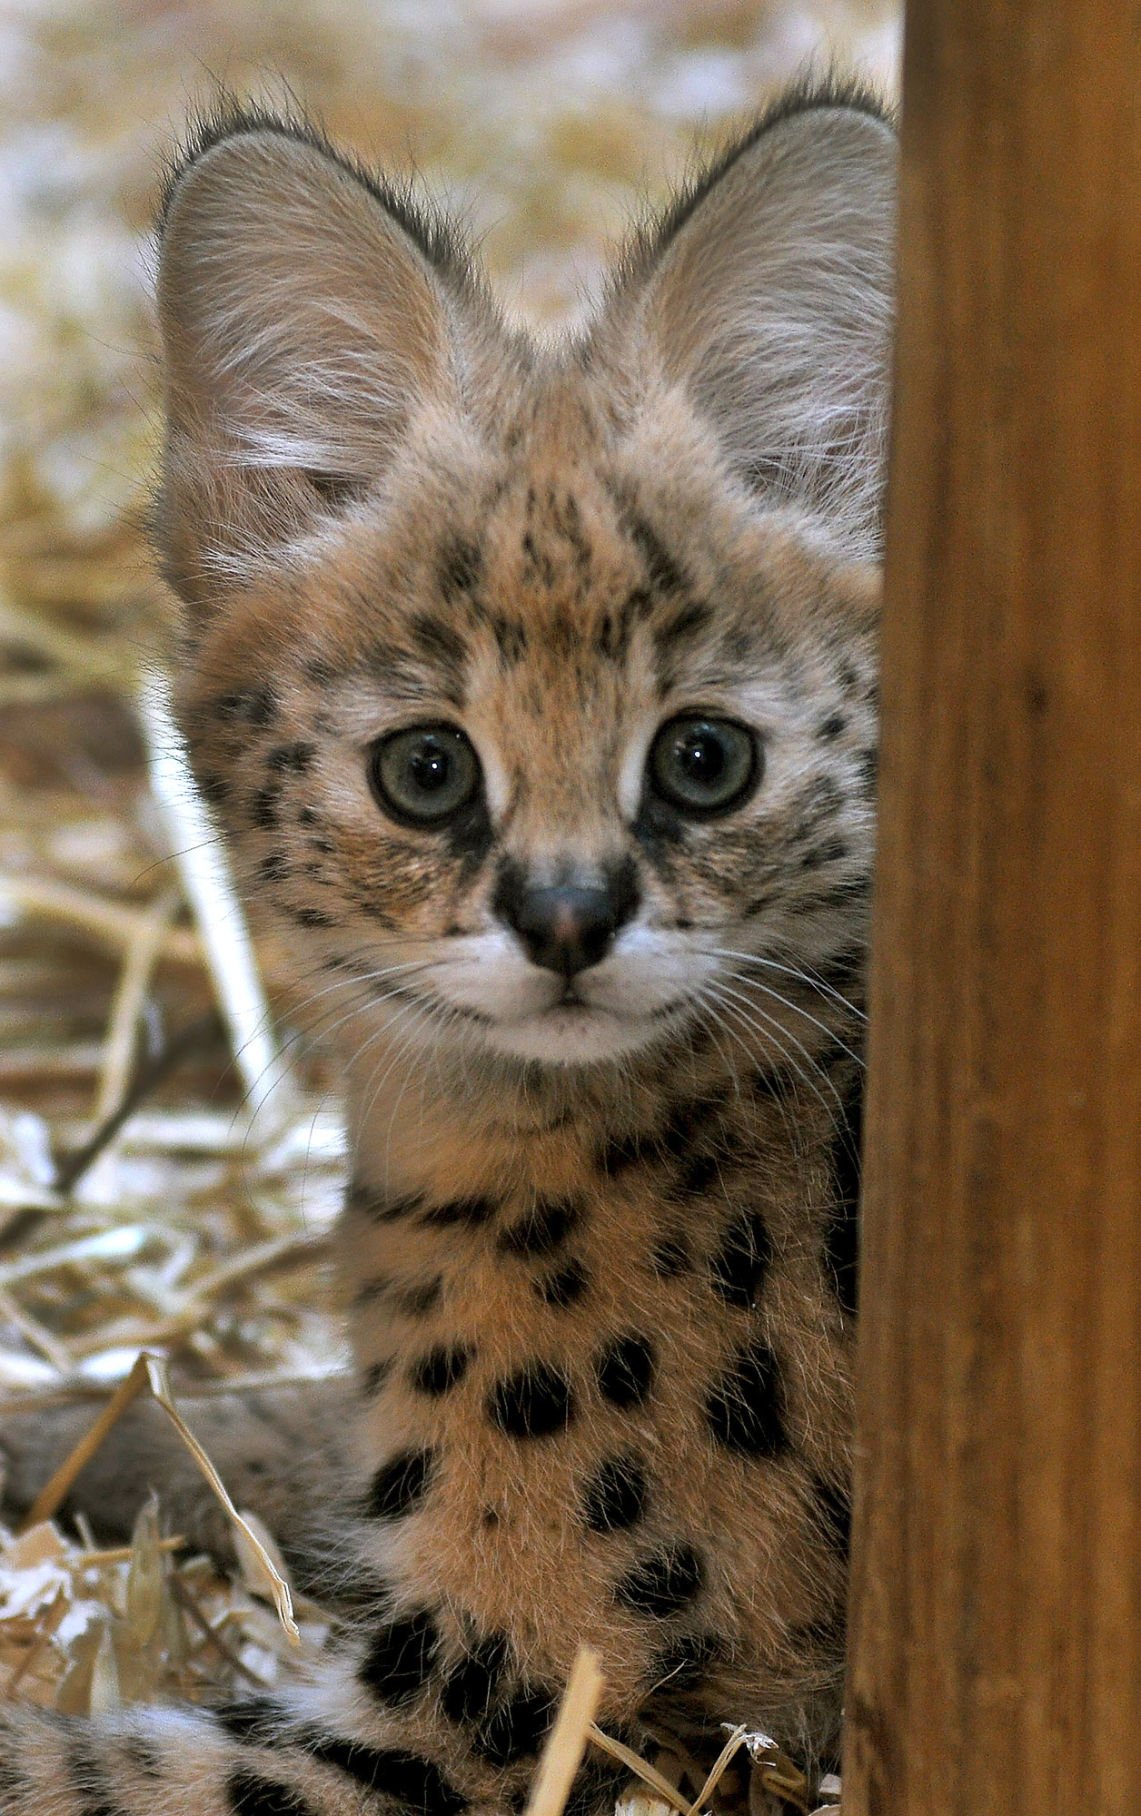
[{"x": 566, "y": 929}]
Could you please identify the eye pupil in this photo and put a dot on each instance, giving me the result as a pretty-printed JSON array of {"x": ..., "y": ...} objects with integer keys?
[
  {"x": 425, "y": 774},
  {"x": 429, "y": 766},
  {"x": 704, "y": 766},
  {"x": 702, "y": 756}
]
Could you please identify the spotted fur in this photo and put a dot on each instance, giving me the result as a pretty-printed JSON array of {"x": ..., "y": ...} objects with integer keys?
[{"x": 601, "y": 1053}]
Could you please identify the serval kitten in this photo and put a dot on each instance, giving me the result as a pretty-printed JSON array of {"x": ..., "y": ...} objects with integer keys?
[{"x": 534, "y": 686}]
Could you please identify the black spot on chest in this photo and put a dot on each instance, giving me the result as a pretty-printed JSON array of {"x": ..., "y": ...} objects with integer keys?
[
  {"x": 473, "y": 1212},
  {"x": 737, "y": 1270},
  {"x": 516, "y": 1729},
  {"x": 417, "y": 1301},
  {"x": 670, "y": 1257},
  {"x": 615, "y": 1496},
  {"x": 625, "y": 1370},
  {"x": 474, "y": 1684},
  {"x": 399, "y": 1658},
  {"x": 375, "y": 1376},
  {"x": 564, "y": 1288},
  {"x": 746, "y": 1405},
  {"x": 623, "y": 1152},
  {"x": 681, "y": 1666},
  {"x": 662, "y": 1583},
  {"x": 544, "y": 1228},
  {"x": 399, "y": 1486},
  {"x": 366, "y": 1201},
  {"x": 534, "y": 1403},
  {"x": 698, "y": 1174},
  {"x": 441, "y": 1369},
  {"x": 842, "y": 1234},
  {"x": 835, "y": 1508}
]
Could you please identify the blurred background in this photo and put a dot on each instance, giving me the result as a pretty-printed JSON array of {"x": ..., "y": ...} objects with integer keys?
[
  {"x": 198, "y": 1228},
  {"x": 547, "y": 124}
]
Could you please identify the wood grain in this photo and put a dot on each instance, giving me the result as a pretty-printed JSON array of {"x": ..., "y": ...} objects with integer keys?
[{"x": 996, "y": 1652}]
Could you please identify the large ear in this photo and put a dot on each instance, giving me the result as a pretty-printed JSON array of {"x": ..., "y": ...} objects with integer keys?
[
  {"x": 767, "y": 292},
  {"x": 305, "y": 313}
]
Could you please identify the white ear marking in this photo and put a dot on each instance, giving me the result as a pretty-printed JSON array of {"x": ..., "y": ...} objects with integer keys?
[
  {"x": 303, "y": 323},
  {"x": 771, "y": 302}
]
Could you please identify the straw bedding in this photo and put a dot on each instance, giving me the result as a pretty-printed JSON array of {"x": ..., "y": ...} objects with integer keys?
[{"x": 170, "y": 1159}]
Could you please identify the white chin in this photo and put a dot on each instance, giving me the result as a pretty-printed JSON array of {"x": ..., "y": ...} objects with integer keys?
[{"x": 571, "y": 1036}]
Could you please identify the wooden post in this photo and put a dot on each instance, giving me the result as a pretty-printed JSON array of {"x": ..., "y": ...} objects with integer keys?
[{"x": 996, "y": 1651}]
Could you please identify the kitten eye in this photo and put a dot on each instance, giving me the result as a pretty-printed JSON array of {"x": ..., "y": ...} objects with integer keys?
[
  {"x": 424, "y": 774},
  {"x": 704, "y": 765}
]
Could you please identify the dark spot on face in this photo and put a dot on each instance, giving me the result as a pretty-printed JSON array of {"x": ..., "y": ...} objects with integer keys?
[
  {"x": 399, "y": 1658},
  {"x": 738, "y": 1268},
  {"x": 659, "y": 831},
  {"x": 441, "y": 1369},
  {"x": 213, "y": 788},
  {"x": 439, "y": 641},
  {"x": 296, "y": 758},
  {"x": 829, "y": 851},
  {"x": 544, "y": 1228},
  {"x": 470, "y": 1211},
  {"x": 255, "y": 706},
  {"x": 683, "y": 624},
  {"x": 867, "y": 768},
  {"x": 511, "y": 638},
  {"x": 273, "y": 867},
  {"x": 670, "y": 1257},
  {"x": 831, "y": 728},
  {"x": 835, "y": 1505},
  {"x": 250, "y": 1794},
  {"x": 662, "y": 1583},
  {"x": 615, "y": 1496},
  {"x": 308, "y": 816},
  {"x": 312, "y": 917},
  {"x": 458, "y": 568},
  {"x": 681, "y": 1666},
  {"x": 664, "y": 572},
  {"x": 564, "y": 1287},
  {"x": 472, "y": 1686},
  {"x": 745, "y": 1406},
  {"x": 532, "y": 1403},
  {"x": 263, "y": 808},
  {"x": 516, "y": 1729},
  {"x": 399, "y": 1486},
  {"x": 625, "y": 1370}
]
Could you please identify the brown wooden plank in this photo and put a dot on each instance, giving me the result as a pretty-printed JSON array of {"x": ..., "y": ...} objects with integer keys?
[{"x": 996, "y": 1654}]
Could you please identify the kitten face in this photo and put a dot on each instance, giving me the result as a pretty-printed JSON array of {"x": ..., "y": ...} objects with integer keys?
[
  {"x": 535, "y": 685},
  {"x": 543, "y": 607}
]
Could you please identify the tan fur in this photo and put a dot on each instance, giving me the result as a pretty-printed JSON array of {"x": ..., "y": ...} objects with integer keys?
[{"x": 598, "y": 1248}]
